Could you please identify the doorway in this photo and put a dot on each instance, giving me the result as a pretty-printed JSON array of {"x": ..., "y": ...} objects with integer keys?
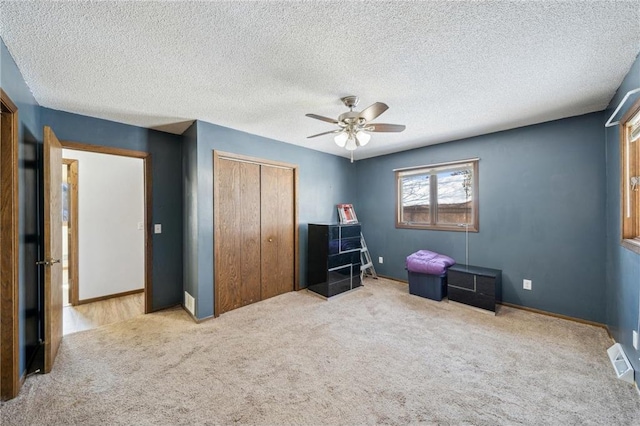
[
  {"x": 256, "y": 232},
  {"x": 105, "y": 216}
]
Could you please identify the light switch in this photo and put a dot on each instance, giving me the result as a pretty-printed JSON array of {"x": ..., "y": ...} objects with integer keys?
[
  {"x": 157, "y": 228},
  {"x": 140, "y": 226}
]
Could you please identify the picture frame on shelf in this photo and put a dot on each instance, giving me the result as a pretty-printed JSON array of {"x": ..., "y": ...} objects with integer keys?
[{"x": 347, "y": 214}]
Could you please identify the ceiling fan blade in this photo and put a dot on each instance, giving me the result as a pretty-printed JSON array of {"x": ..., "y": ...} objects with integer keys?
[
  {"x": 380, "y": 127},
  {"x": 319, "y": 117},
  {"x": 373, "y": 111},
  {"x": 324, "y": 133}
]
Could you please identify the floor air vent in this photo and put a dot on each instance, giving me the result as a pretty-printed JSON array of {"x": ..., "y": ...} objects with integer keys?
[{"x": 621, "y": 363}]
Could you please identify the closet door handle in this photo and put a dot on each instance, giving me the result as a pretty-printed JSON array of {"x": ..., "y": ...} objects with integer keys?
[{"x": 270, "y": 240}]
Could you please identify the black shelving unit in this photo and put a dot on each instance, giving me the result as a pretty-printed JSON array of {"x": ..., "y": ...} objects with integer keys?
[{"x": 333, "y": 258}]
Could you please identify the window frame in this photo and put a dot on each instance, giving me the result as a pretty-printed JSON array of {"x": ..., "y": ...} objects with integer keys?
[
  {"x": 474, "y": 225},
  {"x": 629, "y": 166}
]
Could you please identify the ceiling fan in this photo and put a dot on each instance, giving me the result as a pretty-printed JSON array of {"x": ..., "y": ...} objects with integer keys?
[{"x": 354, "y": 126}]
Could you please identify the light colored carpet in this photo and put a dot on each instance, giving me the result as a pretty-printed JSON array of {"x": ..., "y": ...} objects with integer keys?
[{"x": 376, "y": 355}]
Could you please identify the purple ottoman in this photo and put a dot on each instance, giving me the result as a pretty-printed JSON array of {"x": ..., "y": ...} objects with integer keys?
[{"x": 428, "y": 274}]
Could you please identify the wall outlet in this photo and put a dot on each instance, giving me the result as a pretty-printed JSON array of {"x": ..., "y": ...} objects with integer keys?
[
  {"x": 140, "y": 226},
  {"x": 380, "y": 259},
  {"x": 526, "y": 284},
  {"x": 190, "y": 303},
  {"x": 157, "y": 228},
  {"x": 635, "y": 340}
]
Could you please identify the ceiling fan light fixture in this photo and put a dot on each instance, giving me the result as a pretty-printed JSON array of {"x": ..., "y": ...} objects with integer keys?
[
  {"x": 341, "y": 139},
  {"x": 363, "y": 138},
  {"x": 354, "y": 126}
]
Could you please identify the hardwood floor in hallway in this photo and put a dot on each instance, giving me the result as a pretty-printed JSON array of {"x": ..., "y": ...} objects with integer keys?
[{"x": 96, "y": 314}]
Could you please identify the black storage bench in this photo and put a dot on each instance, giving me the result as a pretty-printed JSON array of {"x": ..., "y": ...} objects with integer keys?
[
  {"x": 432, "y": 287},
  {"x": 428, "y": 274}
]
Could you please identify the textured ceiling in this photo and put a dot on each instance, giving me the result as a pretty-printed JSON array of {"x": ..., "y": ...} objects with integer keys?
[{"x": 447, "y": 70}]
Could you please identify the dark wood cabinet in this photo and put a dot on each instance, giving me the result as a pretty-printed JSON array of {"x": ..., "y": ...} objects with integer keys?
[
  {"x": 333, "y": 258},
  {"x": 474, "y": 285}
]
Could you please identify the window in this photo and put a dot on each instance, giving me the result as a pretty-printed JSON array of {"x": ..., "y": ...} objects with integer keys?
[
  {"x": 440, "y": 197},
  {"x": 630, "y": 178}
]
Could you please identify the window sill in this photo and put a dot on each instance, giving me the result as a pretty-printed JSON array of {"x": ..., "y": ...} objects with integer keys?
[
  {"x": 454, "y": 228},
  {"x": 632, "y": 244}
]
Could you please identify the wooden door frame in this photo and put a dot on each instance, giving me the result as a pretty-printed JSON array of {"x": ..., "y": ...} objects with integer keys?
[
  {"x": 72, "y": 238},
  {"x": 217, "y": 156},
  {"x": 148, "y": 186},
  {"x": 10, "y": 380}
]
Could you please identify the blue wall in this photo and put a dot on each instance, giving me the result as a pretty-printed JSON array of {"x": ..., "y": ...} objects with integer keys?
[
  {"x": 190, "y": 209},
  {"x": 166, "y": 162},
  {"x": 324, "y": 181},
  {"x": 542, "y": 198},
  {"x": 29, "y": 139},
  {"x": 623, "y": 265}
]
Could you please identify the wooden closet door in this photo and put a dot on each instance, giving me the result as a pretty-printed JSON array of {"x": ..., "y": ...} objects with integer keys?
[
  {"x": 238, "y": 272},
  {"x": 277, "y": 217}
]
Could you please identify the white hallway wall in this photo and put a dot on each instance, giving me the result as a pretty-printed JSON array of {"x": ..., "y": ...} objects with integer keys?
[{"x": 111, "y": 205}]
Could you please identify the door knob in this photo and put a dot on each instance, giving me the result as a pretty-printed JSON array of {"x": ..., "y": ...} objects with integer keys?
[
  {"x": 270, "y": 240},
  {"x": 48, "y": 262}
]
